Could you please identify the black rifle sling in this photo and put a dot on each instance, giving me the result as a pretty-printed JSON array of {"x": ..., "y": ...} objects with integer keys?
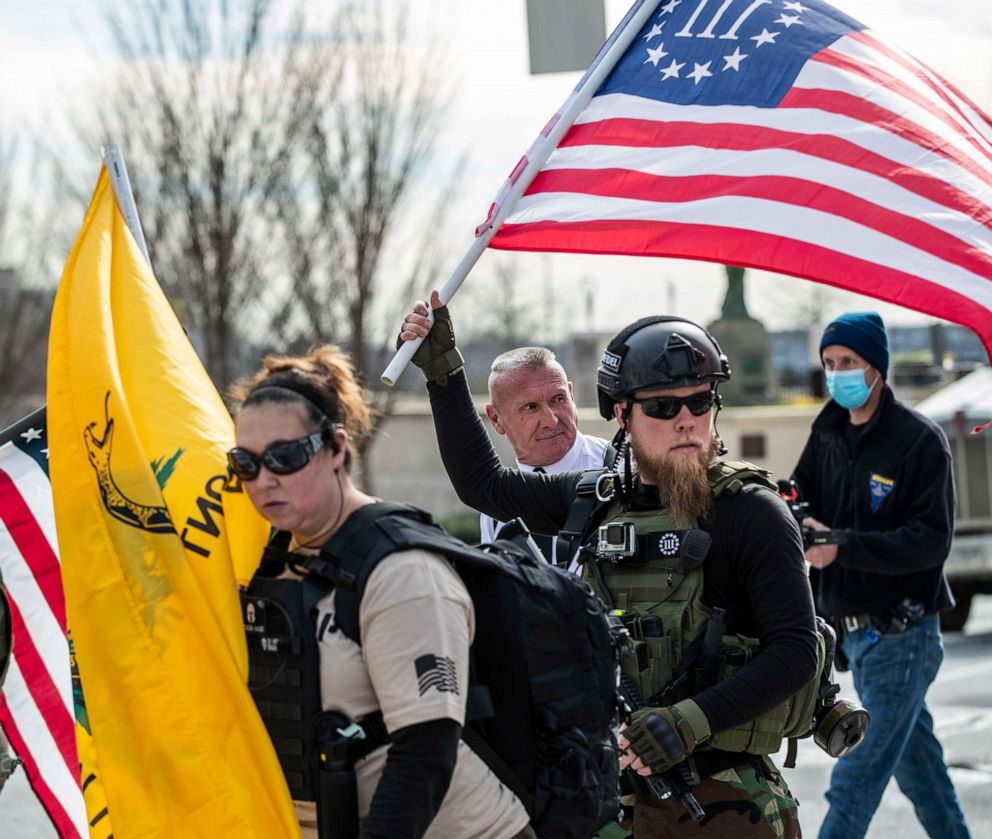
[{"x": 371, "y": 533}]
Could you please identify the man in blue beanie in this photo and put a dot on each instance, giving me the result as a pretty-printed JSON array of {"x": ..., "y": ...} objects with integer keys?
[{"x": 879, "y": 474}]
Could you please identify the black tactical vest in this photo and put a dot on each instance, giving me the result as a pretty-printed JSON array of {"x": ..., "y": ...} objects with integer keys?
[
  {"x": 284, "y": 664},
  {"x": 658, "y": 596}
]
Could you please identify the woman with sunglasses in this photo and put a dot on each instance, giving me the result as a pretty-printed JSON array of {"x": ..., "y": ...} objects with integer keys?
[{"x": 298, "y": 420}]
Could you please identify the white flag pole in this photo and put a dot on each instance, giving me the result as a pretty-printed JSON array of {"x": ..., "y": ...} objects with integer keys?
[
  {"x": 114, "y": 161},
  {"x": 529, "y": 165}
]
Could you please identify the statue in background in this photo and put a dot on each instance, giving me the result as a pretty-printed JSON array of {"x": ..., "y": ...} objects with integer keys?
[{"x": 745, "y": 340}]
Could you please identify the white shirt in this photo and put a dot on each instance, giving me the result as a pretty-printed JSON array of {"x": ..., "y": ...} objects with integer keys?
[{"x": 586, "y": 453}]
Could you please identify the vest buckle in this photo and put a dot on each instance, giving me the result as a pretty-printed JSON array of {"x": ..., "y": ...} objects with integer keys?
[{"x": 606, "y": 477}]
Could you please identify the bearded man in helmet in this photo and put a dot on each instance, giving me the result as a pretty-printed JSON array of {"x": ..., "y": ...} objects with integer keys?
[{"x": 682, "y": 542}]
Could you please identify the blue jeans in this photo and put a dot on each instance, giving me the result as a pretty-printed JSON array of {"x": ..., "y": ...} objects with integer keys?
[{"x": 892, "y": 675}]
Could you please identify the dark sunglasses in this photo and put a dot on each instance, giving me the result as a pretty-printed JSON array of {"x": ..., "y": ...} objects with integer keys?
[
  {"x": 668, "y": 407},
  {"x": 281, "y": 458}
]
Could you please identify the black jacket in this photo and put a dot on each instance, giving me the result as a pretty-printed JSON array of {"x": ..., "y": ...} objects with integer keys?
[{"x": 894, "y": 498}]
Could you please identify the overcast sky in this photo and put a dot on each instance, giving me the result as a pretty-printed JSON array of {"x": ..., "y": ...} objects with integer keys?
[{"x": 50, "y": 48}]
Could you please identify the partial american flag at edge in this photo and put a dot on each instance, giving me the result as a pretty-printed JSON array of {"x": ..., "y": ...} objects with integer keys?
[
  {"x": 779, "y": 135},
  {"x": 36, "y": 704}
]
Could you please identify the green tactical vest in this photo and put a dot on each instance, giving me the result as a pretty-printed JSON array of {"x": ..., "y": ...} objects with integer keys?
[{"x": 660, "y": 602}]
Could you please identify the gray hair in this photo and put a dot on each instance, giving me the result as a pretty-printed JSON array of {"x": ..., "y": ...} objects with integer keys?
[{"x": 521, "y": 358}]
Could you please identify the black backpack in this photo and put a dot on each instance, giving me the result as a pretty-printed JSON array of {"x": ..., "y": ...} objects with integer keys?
[{"x": 541, "y": 703}]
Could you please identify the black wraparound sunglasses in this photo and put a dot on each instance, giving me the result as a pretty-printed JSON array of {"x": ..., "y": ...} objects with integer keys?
[
  {"x": 668, "y": 407},
  {"x": 284, "y": 457}
]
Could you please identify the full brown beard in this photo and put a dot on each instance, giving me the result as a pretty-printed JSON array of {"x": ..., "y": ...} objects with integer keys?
[{"x": 681, "y": 481}]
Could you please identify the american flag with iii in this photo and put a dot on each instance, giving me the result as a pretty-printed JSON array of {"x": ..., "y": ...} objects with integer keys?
[{"x": 781, "y": 135}]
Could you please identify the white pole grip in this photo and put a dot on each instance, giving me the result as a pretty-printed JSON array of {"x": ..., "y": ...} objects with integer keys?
[{"x": 400, "y": 361}]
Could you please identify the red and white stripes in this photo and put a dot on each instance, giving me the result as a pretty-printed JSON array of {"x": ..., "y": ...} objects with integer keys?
[{"x": 36, "y": 707}]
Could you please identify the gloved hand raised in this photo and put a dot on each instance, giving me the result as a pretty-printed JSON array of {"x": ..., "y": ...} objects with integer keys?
[
  {"x": 437, "y": 356},
  {"x": 663, "y": 737}
]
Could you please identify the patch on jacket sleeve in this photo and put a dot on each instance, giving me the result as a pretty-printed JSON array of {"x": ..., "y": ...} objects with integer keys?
[{"x": 880, "y": 488}]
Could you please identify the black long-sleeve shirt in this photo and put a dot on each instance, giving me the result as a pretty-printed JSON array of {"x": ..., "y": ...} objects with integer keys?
[
  {"x": 755, "y": 562},
  {"x": 893, "y": 496},
  {"x": 417, "y": 775}
]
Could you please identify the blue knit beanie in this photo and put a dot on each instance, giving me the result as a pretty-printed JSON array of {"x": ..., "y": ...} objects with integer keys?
[{"x": 862, "y": 332}]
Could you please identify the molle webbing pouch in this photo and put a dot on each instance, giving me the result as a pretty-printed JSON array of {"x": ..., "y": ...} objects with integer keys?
[
  {"x": 657, "y": 597},
  {"x": 792, "y": 719}
]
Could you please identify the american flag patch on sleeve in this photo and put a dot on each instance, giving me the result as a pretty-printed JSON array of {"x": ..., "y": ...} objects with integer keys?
[{"x": 436, "y": 671}]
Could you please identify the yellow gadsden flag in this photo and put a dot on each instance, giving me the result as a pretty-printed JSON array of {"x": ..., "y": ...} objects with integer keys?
[{"x": 149, "y": 529}]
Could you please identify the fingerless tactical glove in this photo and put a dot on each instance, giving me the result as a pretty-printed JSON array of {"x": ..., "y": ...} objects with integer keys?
[
  {"x": 664, "y": 737},
  {"x": 438, "y": 357}
]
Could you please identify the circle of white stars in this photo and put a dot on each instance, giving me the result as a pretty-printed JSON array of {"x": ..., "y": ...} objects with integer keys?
[{"x": 792, "y": 9}]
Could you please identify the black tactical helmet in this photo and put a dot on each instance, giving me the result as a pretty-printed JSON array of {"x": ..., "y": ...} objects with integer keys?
[{"x": 658, "y": 353}]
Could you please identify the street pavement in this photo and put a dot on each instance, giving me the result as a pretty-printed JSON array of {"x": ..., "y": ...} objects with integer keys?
[{"x": 960, "y": 701}]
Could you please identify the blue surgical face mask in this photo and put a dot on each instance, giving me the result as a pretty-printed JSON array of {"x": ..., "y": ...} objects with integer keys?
[{"x": 848, "y": 388}]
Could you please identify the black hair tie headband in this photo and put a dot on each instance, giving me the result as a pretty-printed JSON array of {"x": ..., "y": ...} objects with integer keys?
[{"x": 300, "y": 388}]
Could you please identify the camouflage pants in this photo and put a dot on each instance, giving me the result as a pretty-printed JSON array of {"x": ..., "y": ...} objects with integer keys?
[{"x": 740, "y": 802}]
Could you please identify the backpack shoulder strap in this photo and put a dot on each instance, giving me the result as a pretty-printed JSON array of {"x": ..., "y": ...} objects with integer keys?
[
  {"x": 585, "y": 513},
  {"x": 727, "y": 477},
  {"x": 275, "y": 555},
  {"x": 370, "y": 534}
]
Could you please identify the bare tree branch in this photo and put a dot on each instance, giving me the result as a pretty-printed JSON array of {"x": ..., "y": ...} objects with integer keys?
[
  {"x": 273, "y": 158},
  {"x": 208, "y": 108},
  {"x": 26, "y": 289},
  {"x": 365, "y": 149}
]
